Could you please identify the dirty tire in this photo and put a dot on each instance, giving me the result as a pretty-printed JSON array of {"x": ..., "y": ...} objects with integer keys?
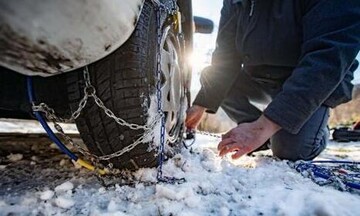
[{"x": 124, "y": 80}]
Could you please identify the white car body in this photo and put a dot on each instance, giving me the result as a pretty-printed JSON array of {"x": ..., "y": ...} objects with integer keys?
[{"x": 48, "y": 37}]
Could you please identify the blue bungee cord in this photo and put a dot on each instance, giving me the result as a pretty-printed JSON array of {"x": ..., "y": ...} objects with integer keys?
[
  {"x": 39, "y": 116},
  {"x": 336, "y": 161}
]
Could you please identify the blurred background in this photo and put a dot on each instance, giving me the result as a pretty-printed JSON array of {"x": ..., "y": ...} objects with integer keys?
[{"x": 204, "y": 45}]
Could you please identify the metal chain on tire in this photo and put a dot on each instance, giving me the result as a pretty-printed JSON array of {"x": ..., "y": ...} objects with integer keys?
[
  {"x": 208, "y": 134},
  {"x": 170, "y": 11},
  {"x": 90, "y": 92}
]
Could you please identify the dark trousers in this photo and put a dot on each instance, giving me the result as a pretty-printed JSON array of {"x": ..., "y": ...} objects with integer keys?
[{"x": 249, "y": 92}]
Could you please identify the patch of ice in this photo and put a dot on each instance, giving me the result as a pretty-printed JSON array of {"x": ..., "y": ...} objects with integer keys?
[{"x": 15, "y": 157}]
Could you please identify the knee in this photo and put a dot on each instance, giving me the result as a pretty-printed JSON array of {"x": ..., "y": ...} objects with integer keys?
[
  {"x": 286, "y": 151},
  {"x": 292, "y": 147},
  {"x": 308, "y": 143}
]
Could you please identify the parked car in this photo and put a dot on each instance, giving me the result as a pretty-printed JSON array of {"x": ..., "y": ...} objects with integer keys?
[{"x": 117, "y": 41}]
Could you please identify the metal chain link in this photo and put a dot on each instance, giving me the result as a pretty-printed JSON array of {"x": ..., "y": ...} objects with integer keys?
[
  {"x": 161, "y": 148},
  {"x": 159, "y": 94},
  {"x": 208, "y": 134},
  {"x": 170, "y": 10},
  {"x": 169, "y": 7},
  {"x": 90, "y": 91}
]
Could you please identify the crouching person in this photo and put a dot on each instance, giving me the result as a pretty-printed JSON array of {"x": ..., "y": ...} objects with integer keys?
[{"x": 295, "y": 57}]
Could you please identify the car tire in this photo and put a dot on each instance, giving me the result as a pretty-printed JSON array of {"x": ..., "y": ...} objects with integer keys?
[{"x": 126, "y": 81}]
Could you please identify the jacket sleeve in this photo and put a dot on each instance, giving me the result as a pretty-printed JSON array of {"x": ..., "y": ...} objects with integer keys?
[
  {"x": 216, "y": 80},
  {"x": 331, "y": 33}
]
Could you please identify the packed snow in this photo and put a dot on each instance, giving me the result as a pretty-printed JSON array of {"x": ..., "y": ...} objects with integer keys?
[{"x": 259, "y": 185}]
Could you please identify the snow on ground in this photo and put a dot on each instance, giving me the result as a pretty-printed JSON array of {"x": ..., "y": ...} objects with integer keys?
[
  {"x": 29, "y": 126},
  {"x": 260, "y": 185}
]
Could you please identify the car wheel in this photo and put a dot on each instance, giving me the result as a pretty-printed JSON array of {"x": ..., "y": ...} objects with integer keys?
[{"x": 126, "y": 82}]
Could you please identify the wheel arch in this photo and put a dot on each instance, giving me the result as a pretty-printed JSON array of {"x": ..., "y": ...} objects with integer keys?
[{"x": 45, "y": 38}]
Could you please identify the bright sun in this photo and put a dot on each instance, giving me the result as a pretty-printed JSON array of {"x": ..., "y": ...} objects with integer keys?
[{"x": 197, "y": 61}]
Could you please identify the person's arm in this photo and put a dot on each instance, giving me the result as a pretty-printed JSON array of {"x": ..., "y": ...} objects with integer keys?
[
  {"x": 331, "y": 32},
  {"x": 217, "y": 79}
]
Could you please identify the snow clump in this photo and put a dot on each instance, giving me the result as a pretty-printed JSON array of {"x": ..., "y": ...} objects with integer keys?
[
  {"x": 66, "y": 186},
  {"x": 15, "y": 157},
  {"x": 46, "y": 195},
  {"x": 64, "y": 203}
]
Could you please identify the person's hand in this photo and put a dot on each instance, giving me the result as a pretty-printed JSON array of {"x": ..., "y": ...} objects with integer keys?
[
  {"x": 247, "y": 137},
  {"x": 193, "y": 116}
]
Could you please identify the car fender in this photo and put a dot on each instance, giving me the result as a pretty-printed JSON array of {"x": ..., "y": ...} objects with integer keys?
[{"x": 43, "y": 37}]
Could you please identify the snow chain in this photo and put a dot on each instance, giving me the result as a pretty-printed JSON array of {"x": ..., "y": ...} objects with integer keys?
[
  {"x": 172, "y": 11},
  {"x": 90, "y": 92},
  {"x": 342, "y": 175}
]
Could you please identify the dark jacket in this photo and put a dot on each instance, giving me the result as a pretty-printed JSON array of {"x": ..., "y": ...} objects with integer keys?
[{"x": 308, "y": 45}]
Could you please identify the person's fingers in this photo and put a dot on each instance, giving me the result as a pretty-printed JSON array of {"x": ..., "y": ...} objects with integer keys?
[
  {"x": 224, "y": 142},
  {"x": 191, "y": 125},
  {"x": 192, "y": 121},
  {"x": 238, "y": 154},
  {"x": 189, "y": 119},
  {"x": 229, "y": 148},
  {"x": 192, "y": 118}
]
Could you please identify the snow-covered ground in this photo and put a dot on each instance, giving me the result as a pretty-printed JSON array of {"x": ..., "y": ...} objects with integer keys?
[{"x": 38, "y": 180}]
